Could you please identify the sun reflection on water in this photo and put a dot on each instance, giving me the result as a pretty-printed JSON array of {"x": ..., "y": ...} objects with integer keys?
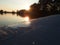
[{"x": 27, "y": 20}]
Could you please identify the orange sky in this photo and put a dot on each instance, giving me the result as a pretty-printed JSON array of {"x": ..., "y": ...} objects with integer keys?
[{"x": 16, "y": 4}]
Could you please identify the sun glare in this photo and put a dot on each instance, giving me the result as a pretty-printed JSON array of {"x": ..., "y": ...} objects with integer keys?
[
  {"x": 26, "y": 18},
  {"x": 27, "y": 7}
]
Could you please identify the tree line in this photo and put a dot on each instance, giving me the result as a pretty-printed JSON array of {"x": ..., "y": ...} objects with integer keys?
[
  {"x": 45, "y": 8},
  {"x": 41, "y": 9}
]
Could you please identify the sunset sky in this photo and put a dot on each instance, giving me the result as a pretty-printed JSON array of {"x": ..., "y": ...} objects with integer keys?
[{"x": 16, "y": 4}]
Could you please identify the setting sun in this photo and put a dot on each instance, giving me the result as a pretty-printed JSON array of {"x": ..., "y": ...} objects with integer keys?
[{"x": 27, "y": 7}]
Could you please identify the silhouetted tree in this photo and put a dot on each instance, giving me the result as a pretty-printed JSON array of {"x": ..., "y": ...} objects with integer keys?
[
  {"x": 44, "y": 8},
  {"x": 1, "y": 11},
  {"x": 13, "y": 12},
  {"x": 34, "y": 11},
  {"x": 5, "y": 12},
  {"x": 21, "y": 12}
]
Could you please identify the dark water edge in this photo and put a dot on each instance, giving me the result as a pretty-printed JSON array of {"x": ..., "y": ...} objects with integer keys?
[{"x": 8, "y": 35}]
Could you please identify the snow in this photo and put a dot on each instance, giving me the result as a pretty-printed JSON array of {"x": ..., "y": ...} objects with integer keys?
[
  {"x": 45, "y": 31},
  {"x": 42, "y": 31}
]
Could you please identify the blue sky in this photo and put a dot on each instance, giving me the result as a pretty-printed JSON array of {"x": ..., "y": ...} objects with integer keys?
[{"x": 16, "y": 4}]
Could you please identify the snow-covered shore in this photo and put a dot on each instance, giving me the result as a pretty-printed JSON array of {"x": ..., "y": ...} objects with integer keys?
[{"x": 42, "y": 31}]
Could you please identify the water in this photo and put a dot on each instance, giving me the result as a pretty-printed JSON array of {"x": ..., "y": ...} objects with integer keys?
[{"x": 12, "y": 20}]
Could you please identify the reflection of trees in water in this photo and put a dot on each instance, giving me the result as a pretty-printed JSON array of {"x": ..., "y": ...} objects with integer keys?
[
  {"x": 22, "y": 13},
  {"x": 1, "y": 12},
  {"x": 7, "y": 12},
  {"x": 40, "y": 9}
]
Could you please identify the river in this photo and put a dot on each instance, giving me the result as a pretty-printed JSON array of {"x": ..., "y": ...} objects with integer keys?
[{"x": 12, "y": 20}]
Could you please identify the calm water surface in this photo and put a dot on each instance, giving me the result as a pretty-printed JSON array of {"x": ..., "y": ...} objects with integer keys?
[{"x": 12, "y": 20}]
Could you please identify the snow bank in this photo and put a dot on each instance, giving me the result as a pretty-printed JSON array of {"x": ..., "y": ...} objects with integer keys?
[{"x": 45, "y": 31}]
